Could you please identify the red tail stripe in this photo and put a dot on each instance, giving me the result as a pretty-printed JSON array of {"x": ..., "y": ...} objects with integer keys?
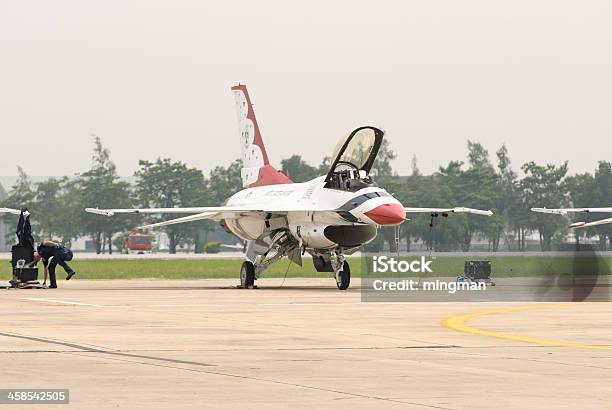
[{"x": 257, "y": 140}]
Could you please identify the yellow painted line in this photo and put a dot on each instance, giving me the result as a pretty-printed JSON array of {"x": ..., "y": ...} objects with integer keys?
[{"x": 459, "y": 323}]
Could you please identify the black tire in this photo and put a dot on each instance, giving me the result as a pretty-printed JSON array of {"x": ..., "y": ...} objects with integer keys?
[
  {"x": 344, "y": 277},
  {"x": 247, "y": 274}
]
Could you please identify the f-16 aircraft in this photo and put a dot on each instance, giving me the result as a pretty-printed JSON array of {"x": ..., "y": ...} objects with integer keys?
[
  {"x": 565, "y": 211},
  {"x": 328, "y": 217}
]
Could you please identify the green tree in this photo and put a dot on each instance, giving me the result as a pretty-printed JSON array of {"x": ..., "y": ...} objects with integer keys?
[
  {"x": 582, "y": 191},
  {"x": 20, "y": 196},
  {"x": 382, "y": 165},
  {"x": 603, "y": 182},
  {"x": 56, "y": 211},
  {"x": 324, "y": 166},
  {"x": 447, "y": 233},
  {"x": 414, "y": 166},
  {"x": 481, "y": 190},
  {"x": 51, "y": 203},
  {"x": 592, "y": 190},
  {"x": 298, "y": 170},
  {"x": 475, "y": 187},
  {"x": 221, "y": 184},
  {"x": 509, "y": 210},
  {"x": 101, "y": 187},
  {"x": 543, "y": 186},
  {"x": 168, "y": 184}
]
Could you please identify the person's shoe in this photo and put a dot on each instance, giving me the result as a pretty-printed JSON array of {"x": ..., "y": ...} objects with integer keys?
[
  {"x": 53, "y": 287},
  {"x": 71, "y": 274}
]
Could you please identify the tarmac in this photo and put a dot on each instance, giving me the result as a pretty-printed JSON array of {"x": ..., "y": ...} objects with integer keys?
[{"x": 205, "y": 344}]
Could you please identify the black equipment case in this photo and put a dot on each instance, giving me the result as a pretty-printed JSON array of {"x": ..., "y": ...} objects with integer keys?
[
  {"x": 23, "y": 274},
  {"x": 477, "y": 270},
  {"x": 26, "y": 274}
]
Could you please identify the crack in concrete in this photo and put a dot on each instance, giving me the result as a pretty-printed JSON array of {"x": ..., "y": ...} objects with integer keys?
[{"x": 121, "y": 356}]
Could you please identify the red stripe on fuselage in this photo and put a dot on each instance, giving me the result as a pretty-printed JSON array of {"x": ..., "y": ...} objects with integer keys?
[{"x": 268, "y": 175}]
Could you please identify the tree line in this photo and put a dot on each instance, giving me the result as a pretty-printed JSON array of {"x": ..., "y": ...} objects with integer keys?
[
  {"x": 58, "y": 202},
  {"x": 486, "y": 184}
]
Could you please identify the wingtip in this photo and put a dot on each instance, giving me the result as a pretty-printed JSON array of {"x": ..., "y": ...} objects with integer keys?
[{"x": 97, "y": 211}]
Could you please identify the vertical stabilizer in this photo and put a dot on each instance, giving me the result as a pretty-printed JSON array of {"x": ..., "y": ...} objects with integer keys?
[{"x": 256, "y": 169}]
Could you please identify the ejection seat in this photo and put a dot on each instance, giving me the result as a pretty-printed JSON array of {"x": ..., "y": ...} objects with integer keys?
[
  {"x": 25, "y": 273},
  {"x": 353, "y": 159}
]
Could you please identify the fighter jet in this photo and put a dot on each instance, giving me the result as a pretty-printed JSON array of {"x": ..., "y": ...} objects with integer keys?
[
  {"x": 565, "y": 211},
  {"x": 328, "y": 217}
]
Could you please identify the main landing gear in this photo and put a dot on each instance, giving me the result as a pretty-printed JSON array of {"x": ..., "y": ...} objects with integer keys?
[
  {"x": 247, "y": 275},
  {"x": 332, "y": 261},
  {"x": 280, "y": 243}
]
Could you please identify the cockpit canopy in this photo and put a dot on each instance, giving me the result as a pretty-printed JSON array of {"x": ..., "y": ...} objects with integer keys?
[{"x": 353, "y": 159}]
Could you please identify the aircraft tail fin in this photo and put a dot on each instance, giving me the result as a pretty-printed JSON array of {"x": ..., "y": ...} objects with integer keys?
[{"x": 256, "y": 168}]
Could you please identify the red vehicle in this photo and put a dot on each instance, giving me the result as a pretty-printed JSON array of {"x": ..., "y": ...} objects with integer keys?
[{"x": 138, "y": 242}]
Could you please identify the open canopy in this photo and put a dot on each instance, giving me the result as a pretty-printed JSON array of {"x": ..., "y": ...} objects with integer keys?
[{"x": 357, "y": 150}]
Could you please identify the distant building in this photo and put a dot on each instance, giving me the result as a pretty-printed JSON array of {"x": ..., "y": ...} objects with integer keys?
[{"x": 3, "y": 228}]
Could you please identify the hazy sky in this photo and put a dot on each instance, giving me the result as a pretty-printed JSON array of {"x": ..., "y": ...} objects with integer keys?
[{"x": 152, "y": 79}]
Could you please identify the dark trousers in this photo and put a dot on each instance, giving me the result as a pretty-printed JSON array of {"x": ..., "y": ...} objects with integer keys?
[{"x": 57, "y": 260}]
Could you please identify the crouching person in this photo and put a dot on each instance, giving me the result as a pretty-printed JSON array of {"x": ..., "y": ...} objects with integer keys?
[{"x": 52, "y": 254}]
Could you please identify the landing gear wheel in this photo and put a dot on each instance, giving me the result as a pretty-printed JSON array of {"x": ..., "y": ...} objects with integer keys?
[
  {"x": 247, "y": 274},
  {"x": 343, "y": 278}
]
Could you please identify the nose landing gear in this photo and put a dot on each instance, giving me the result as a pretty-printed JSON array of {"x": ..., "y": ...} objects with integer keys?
[{"x": 342, "y": 271}]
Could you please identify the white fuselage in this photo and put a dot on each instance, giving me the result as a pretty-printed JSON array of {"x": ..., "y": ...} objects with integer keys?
[{"x": 305, "y": 209}]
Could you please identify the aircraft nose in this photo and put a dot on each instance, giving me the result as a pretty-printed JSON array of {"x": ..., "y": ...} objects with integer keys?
[{"x": 387, "y": 214}]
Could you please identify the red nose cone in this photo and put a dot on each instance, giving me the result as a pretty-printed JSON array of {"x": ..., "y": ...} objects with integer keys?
[{"x": 387, "y": 214}]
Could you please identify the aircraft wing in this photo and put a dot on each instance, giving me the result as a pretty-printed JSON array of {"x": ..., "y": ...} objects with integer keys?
[
  {"x": 190, "y": 218},
  {"x": 587, "y": 224},
  {"x": 565, "y": 211},
  {"x": 457, "y": 210},
  {"x": 199, "y": 213},
  {"x": 196, "y": 210}
]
